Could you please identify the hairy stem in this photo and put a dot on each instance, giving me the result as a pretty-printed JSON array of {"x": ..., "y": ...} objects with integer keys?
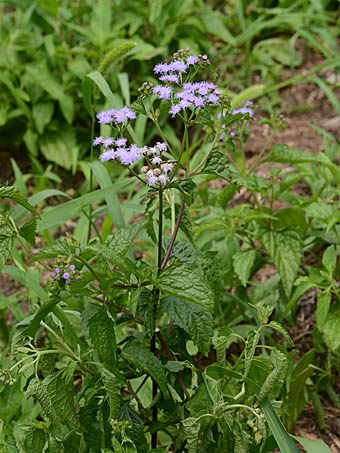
[
  {"x": 153, "y": 339},
  {"x": 91, "y": 180}
]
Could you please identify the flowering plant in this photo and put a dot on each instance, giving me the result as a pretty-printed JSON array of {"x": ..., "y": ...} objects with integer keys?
[{"x": 126, "y": 332}]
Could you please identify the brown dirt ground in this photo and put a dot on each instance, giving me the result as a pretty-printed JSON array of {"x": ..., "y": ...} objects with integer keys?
[{"x": 299, "y": 134}]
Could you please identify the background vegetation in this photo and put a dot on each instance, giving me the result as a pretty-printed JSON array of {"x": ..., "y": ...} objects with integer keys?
[{"x": 59, "y": 66}]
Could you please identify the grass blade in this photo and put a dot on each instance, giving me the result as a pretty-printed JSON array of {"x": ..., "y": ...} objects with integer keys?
[{"x": 111, "y": 199}]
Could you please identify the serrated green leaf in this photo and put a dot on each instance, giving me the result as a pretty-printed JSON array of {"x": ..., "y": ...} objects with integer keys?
[
  {"x": 251, "y": 343},
  {"x": 322, "y": 308},
  {"x": 38, "y": 390},
  {"x": 112, "y": 387},
  {"x": 191, "y": 428},
  {"x": 284, "y": 247},
  {"x": 329, "y": 259},
  {"x": 59, "y": 247},
  {"x": 196, "y": 320},
  {"x": 186, "y": 283},
  {"x": 276, "y": 375},
  {"x": 243, "y": 262},
  {"x": 145, "y": 307},
  {"x": 287, "y": 217},
  {"x": 35, "y": 438},
  {"x": 143, "y": 358},
  {"x": 184, "y": 251},
  {"x": 186, "y": 187},
  {"x": 217, "y": 165},
  {"x": 92, "y": 431},
  {"x": 275, "y": 325},
  {"x": 11, "y": 193},
  {"x": 320, "y": 210},
  {"x": 103, "y": 338},
  {"x": 123, "y": 238},
  {"x": 61, "y": 392},
  {"x": 27, "y": 230},
  {"x": 136, "y": 433}
]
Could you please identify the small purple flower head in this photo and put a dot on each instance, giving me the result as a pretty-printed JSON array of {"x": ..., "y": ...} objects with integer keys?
[
  {"x": 68, "y": 282},
  {"x": 105, "y": 117},
  {"x": 213, "y": 99},
  {"x": 108, "y": 155},
  {"x": 53, "y": 274},
  {"x": 178, "y": 66},
  {"x": 176, "y": 108},
  {"x": 282, "y": 116},
  {"x": 130, "y": 114},
  {"x": 72, "y": 267},
  {"x": 171, "y": 78},
  {"x": 57, "y": 271},
  {"x": 97, "y": 141},
  {"x": 108, "y": 142},
  {"x": 162, "y": 146},
  {"x": 144, "y": 169},
  {"x": 248, "y": 103},
  {"x": 232, "y": 134},
  {"x": 219, "y": 115},
  {"x": 163, "y": 179},
  {"x": 221, "y": 137},
  {"x": 152, "y": 179},
  {"x": 66, "y": 275},
  {"x": 120, "y": 142},
  {"x": 243, "y": 110},
  {"x": 192, "y": 59},
  {"x": 199, "y": 102},
  {"x": 156, "y": 160},
  {"x": 162, "y": 92},
  {"x": 161, "y": 68},
  {"x": 167, "y": 167}
]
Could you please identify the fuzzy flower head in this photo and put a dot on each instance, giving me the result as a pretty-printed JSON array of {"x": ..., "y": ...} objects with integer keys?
[{"x": 116, "y": 116}]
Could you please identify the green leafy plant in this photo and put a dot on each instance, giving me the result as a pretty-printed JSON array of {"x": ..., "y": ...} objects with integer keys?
[{"x": 109, "y": 355}]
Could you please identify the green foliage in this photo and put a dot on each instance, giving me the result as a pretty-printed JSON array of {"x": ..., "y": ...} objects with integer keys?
[{"x": 147, "y": 328}]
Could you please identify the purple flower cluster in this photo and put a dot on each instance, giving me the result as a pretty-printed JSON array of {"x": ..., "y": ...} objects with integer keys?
[
  {"x": 126, "y": 155},
  {"x": 65, "y": 274},
  {"x": 194, "y": 95},
  {"x": 156, "y": 172},
  {"x": 116, "y": 116},
  {"x": 158, "y": 169}
]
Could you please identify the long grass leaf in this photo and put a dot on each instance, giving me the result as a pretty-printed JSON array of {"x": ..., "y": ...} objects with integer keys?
[
  {"x": 111, "y": 199},
  {"x": 56, "y": 216}
]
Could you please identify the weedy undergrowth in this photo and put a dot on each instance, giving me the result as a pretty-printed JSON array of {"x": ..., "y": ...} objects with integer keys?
[{"x": 121, "y": 351}]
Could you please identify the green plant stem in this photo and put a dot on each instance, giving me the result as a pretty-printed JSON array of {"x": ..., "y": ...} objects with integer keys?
[
  {"x": 173, "y": 238},
  {"x": 153, "y": 339},
  {"x": 91, "y": 179}
]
